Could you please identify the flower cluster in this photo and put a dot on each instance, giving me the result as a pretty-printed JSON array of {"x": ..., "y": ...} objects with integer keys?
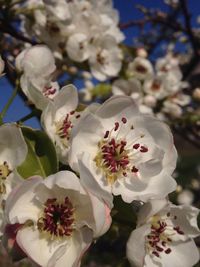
[
  {"x": 104, "y": 159},
  {"x": 85, "y": 30},
  {"x": 112, "y": 149},
  {"x": 160, "y": 90}
]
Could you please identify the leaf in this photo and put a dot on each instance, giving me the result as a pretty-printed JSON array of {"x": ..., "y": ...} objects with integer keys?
[
  {"x": 101, "y": 90},
  {"x": 41, "y": 158}
]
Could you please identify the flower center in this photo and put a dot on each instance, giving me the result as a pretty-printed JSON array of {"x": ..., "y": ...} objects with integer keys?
[
  {"x": 155, "y": 85},
  {"x": 160, "y": 237},
  {"x": 141, "y": 69},
  {"x": 4, "y": 173},
  {"x": 115, "y": 157},
  {"x": 58, "y": 218},
  {"x": 64, "y": 127},
  {"x": 49, "y": 91}
]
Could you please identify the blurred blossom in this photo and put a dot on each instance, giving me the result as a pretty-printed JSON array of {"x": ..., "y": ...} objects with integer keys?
[{"x": 185, "y": 197}]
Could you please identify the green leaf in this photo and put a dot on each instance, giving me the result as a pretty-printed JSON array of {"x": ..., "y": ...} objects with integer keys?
[
  {"x": 41, "y": 158},
  {"x": 101, "y": 90}
]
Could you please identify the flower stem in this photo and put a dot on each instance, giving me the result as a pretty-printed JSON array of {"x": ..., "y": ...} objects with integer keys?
[
  {"x": 29, "y": 116},
  {"x": 8, "y": 104}
]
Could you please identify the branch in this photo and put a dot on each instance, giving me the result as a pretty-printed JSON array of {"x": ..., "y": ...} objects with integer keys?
[
  {"x": 9, "y": 29},
  {"x": 187, "y": 18}
]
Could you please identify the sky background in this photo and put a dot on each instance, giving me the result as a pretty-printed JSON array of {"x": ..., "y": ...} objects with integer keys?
[{"x": 127, "y": 12}]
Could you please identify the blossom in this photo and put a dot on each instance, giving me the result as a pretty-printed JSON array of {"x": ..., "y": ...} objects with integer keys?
[
  {"x": 12, "y": 154},
  {"x": 59, "y": 117},
  {"x": 164, "y": 236},
  {"x": 37, "y": 64},
  {"x": 126, "y": 153},
  {"x": 106, "y": 58},
  {"x": 84, "y": 26},
  {"x": 140, "y": 68},
  {"x": 131, "y": 87},
  {"x": 58, "y": 219}
]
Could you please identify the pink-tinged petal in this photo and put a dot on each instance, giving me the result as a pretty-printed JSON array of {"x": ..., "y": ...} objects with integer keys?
[
  {"x": 78, "y": 245},
  {"x": 135, "y": 249},
  {"x": 21, "y": 205},
  {"x": 102, "y": 218},
  {"x": 92, "y": 180},
  {"x": 37, "y": 247},
  {"x": 12, "y": 145}
]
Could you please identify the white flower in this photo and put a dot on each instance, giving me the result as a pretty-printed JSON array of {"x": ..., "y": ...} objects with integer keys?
[
  {"x": 58, "y": 219},
  {"x": 164, "y": 236},
  {"x": 185, "y": 197},
  {"x": 196, "y": 94},
  {"x": 37, "y": 64},
  {"x": 118, "y": 150},
  {"x": 130, "y": 87},
  {"x": 59, "y": 117},
  {"x": 141, "y": 52},
  {"x": 106, "y": 58},
  {"x": 12, "y": 153},
  {"x": 140, "y": 68},
  {"x": 172, "y": 109},
  {"x": 78, "y": 47},
  {"x": 2, "y": 65},
  {"x": 155, "y": 87},
  {"x": 166, "y": 64}
]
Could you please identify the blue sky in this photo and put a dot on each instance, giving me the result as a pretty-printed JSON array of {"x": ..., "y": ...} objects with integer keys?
[{"x": 127, "y": 13}]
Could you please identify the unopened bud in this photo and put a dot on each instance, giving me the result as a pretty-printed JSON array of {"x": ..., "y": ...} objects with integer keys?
[{"x": 196, "y": 94}]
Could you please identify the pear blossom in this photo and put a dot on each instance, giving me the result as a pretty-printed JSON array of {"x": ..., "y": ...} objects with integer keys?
[
  {"x": 84, "y": 27},
  {"x": 12, "y": 154},
  {"x": 164, "y": 236},
  {"x": 131, "y": 87},
  {"x": 58, "y": 219},
  {"x": 185, "y": 197},
  {"x": 105, "y": 59},
  {"x": 155, "y": 87},
  {"x": 37, "y": 64},
  {"x": 141, "y": 68},
  {"x": 196, "y": 94},
  {"x": 59, "y": 117},
  {"x": 126, "y": 153}
]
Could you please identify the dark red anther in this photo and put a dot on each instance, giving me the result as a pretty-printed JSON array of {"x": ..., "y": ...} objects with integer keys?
[
  {"x": 134, "y": 169},
  {"x": 106, "y": 134},
  {"x": 143, "y": 149},
  {"x": 136, "y": 146},
  {"x": 72, "y": 112},
  {"x": 124, "y": 120},
  {"x": 167, "y": 251},
  {"x": 178, "y": 230},
  {"x": 155, "y": 253},
  {"x": 116, "y": 126},
  {"x": 159, "y": 249}
]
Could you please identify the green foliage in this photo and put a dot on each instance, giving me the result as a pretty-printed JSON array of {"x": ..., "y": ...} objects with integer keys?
[
  {"x": 101, "y": 90},
  {"x": 41, "y": 158}
]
